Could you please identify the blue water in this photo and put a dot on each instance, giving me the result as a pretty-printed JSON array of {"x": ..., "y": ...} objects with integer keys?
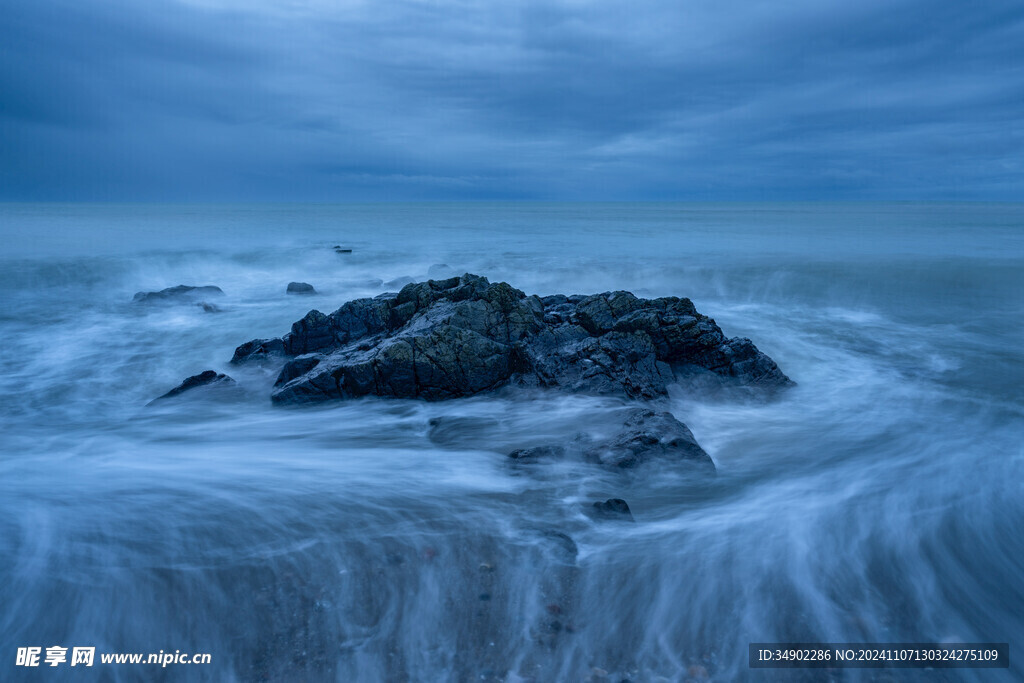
[{"x": 879, "y": 500}]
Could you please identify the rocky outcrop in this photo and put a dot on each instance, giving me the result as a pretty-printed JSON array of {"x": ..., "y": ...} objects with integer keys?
[
  {"x": 203, "y": 379},
  {"x": 300, "y": 288},
  {"x": 444, "y": 339},
  {"x": 183, "y": 293}
]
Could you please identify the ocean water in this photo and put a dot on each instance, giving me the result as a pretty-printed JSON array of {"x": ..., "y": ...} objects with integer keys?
[{"x": 879, "y": 500}]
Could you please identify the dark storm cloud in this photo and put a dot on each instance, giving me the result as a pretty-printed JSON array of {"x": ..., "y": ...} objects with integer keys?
[{"x": 163, "y": 100}]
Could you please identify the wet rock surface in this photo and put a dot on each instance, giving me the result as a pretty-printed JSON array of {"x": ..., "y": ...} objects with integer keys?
[{"x": 461, "y": 336}]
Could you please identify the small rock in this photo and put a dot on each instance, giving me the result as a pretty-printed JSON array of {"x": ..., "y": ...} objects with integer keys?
[
  {"x": 179, "y": 293},
  {"x": 342, "y": 250},
  {"x": 536, "y": 453},
  {"x": 613, "y": 508},
  {"x": 647, "y": 434},
  {"x": 205, "y": 378},
  {"x": 300, "y": 288},
  {"x": 208, "y": 307}
]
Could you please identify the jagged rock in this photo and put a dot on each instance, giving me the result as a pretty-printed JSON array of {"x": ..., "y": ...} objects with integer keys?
[
  {"x": 300, "y": 288},
  {"x": 647, "y": 435},
  {"x": 187, "y": 293},
  {"x": 444, "y": 339},
  {"x": 203, "y": 379},
  {"x": 613, "y": 508}
]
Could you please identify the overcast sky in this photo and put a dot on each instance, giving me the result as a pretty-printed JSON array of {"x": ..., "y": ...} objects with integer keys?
[{"x": 294, "y": 100}]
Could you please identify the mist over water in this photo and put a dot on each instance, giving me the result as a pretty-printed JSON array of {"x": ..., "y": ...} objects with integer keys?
[{"x": 879, "y": 500}]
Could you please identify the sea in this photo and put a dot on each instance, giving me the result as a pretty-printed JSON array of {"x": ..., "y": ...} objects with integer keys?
[{"x": 880, "y": 500}]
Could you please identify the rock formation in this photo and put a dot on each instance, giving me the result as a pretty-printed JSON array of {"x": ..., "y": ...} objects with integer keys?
[{"x": 443, "y": 339}]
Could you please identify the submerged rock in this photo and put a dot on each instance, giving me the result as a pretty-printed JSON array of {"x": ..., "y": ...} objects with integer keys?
[
  {"x": 187, "y": 293},
  {"x": 535, "y": 453},
  {"x": 300, "y": 288},
  {"x": 461, "y": 431},
  {"x": 444, "y": 339},
  {"x": 613, "y": 508},
  {"x": 647, "y": 435},
  {"x": 644, "y": 435},
  {"x": 398, "y": 282},
  {"x": 203, "y": 379},
  {"x": 440, "y": 271}
]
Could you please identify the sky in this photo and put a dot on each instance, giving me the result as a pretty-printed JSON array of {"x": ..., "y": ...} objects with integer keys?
[{"x": 408, "y": 100}]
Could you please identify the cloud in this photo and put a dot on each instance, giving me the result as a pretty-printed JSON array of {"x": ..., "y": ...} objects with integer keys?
[{"x": 416, "y": 99}]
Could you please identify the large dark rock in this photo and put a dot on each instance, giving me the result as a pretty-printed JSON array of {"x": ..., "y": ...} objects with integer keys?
[
  {"x": 443, "y": 339},
  {"x": 186, "y": 293},
  {"x": 300, "y": 288},
  {"x": 203, "y": 379}
]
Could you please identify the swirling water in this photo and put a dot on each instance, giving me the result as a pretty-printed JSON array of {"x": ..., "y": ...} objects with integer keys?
[{"x": 879, "y": 500}]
